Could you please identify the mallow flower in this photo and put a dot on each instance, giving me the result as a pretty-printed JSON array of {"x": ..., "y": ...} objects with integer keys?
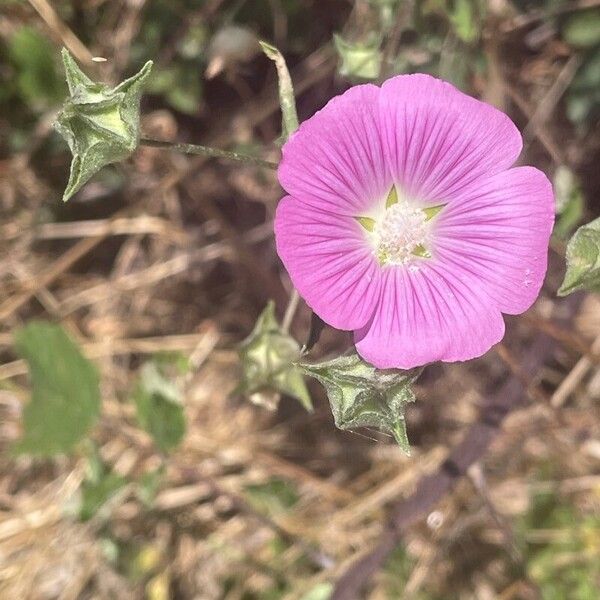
[{"x": 406, "y": 222}]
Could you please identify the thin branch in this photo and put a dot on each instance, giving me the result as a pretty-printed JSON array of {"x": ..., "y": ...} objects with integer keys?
[{"x": 207, "y": 151}]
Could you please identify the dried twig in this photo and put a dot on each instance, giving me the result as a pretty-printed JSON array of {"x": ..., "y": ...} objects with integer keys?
[{"x": 61, "y": 31}]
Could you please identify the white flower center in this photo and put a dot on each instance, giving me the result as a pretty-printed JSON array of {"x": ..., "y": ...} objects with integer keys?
[{"x": 399, "y": 233}]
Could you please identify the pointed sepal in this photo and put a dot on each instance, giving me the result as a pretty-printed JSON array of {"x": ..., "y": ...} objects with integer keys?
[
  {"x": 359, "y": 60},
  {"x": 100, "y": 124},
  {"x": 363, "y": 396},
  {"x": 583, "y": 260},
  {"x": 433, "y": 211},
  {"x": 268, "y": 358},
  {"x": 287, "y": 100},
  {"x": 367, "y": 223},
  {"x": 392, "y": 197}
]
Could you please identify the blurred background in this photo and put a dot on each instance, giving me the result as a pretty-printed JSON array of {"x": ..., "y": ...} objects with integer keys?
[{"x": 160, "y": 265}]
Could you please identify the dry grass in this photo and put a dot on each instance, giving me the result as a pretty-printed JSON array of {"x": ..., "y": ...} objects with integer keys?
[{"x": 182, "y": 259}]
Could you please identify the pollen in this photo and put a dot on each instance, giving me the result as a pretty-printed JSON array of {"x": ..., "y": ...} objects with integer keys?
[{"x": 400, "y": 234}]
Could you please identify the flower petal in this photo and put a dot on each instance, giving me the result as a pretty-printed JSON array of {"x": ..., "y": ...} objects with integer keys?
[
  {"x": 428, "y": 315},
  {"x": 335, "y": 160},
  {"x": 496, "y": 235},
  {"x": 438, "y": 139},
  {"x": 329, "y": 261}
]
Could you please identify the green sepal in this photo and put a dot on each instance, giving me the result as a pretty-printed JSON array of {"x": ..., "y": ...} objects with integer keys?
[
  {"x": 421, "y": 251},
  {"x": 392, "y": 197},
  {"x": 362, "y": 396},
  {"x": 359, "y": 60},
  {"x": 583, "y": 260},
  {"x": 267, "y": 357},
  {"x": 367, "y": 223},
  {"x": 432, "y": 211},
  {"x": 100, "y": 124}
]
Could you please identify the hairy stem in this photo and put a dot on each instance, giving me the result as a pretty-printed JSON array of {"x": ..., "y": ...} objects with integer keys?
[
  {"x": 290, "y": 311},
  {"x": 207, "y": 151}
]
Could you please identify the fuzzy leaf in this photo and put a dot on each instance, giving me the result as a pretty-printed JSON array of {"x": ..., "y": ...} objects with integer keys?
[
  {"x": 65, "y": 400},
  {"x": 100, "y": 124},
  {"x": 583, "y": 260},
  {"x": 359, "y": 60},
  {"x": 159, "y": 407},
  {"x": 363, "y": 396},
  {"x": 286, "y": 91},
  {"x": 267, "y": 357}
]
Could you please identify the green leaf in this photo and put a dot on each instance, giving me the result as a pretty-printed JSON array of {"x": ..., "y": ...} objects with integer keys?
[
  {"x": 583, "y": 260},
  {"x": 286, "y": 91},
  {"x": 570, "y": 204},
  {"x": 180, "y": 86},
  {"x": 463, "y": 20},
  {"x": 100, "y": 485},
  {"x": 159, "y": 407},
  {"x": 100, "y": 124},
  {"x": 583, "y": 96},
  {"x": 272, "y": 497},
  {"x": 363, "y": 396},
  {"x": 359, "y": 60},
  {"x": 148, "y": 486},
  {"x": 582, "y": 29},
  {"x": 267, "y": 357},
  {"x": 65, "y": 400},
  {"x": 37, "y": 77}
]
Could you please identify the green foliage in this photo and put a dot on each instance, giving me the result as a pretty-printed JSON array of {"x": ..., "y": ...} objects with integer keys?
[
  {"x": 565, "y": 560},
  {"x": 100, "y": 124},
  {"x": 582, "y": 29},
  {"x": 570, "y": 203},
  {"x": 65, "y": 399},
  {"x": 287, "y": 101},
  {"x": 159, "y": 407},
  {"x": 387, "y": 10},
  {"x": 583, "y": 260},
  {"x": 363, "y": 396},
  {"x": 180, "y": 87},
  {"x": 583, "y": 97},
  {"x": 267, "y": 357},
  {"x": 464, "y": 21},
  {"x": 396, "y": 573},
  {"x": 100, "y": 485},
  {"x": 37, "y": 80},
  {"x": 359, "y": 60},
  {"x": 274, "y": 496},
  {"x": 148, "y": 486}
]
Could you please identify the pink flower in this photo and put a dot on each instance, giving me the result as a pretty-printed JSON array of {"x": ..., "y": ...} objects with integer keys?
[{"x": 406, "y": 223}]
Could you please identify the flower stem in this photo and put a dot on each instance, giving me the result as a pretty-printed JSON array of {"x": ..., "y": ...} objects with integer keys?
[
  {"x": 290, "y": 311},
  {"x": 207, "y": 151}
]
